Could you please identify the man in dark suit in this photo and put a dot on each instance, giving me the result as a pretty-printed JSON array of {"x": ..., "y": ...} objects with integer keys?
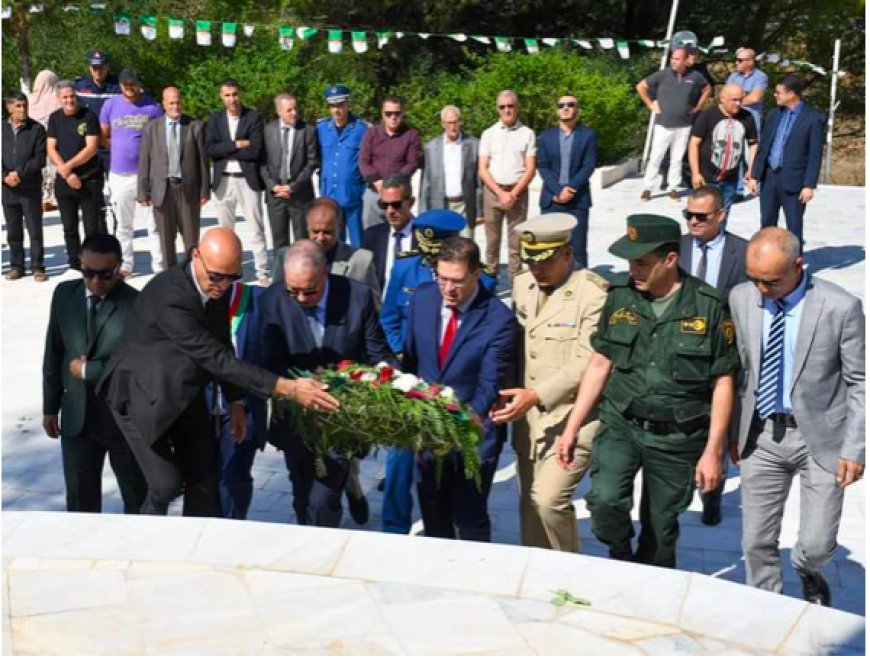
[
  {"x": 396, "y": 235},
  {"x": 173, "y": 175},
  {"x": 312, "y": 319},
  {"x": 789, "y": 157},
  {"x": 176, "y": 343},
  {"x": 461, "y": 336},
  {"x": 717, "y": 256},
  {"x": 290, "y": 160},
  {"x": 234, "y": 142},
  {"x": 566, "y": 160},
  {"x": 87, "y": 319}
]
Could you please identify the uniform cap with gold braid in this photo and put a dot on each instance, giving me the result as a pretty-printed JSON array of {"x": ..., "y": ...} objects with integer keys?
[
  {"x": 541, "y": 236},
  {"x": 431, "y": 227},
  {"x": 643, "y": 234}
]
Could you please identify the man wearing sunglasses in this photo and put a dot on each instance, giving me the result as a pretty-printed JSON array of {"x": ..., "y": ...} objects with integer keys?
[
  {"x": 753, "y": 82},
  {"x": 176, "y": 343},
  {"x": 566, "y": 160},
  {"x": 87, "y": 319}
]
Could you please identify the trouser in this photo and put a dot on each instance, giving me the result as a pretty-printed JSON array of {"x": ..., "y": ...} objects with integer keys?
[
  {"x": 186, "y": 456},
  {"x": 547, "y": 515},
  {"x": 353, "y": 228},
  {"x": 371, "y": 212},
  {"x": 236, "y": 484},
  {"x": 22, "y": 207},
  {"x": 234, "y": 191},
  {"x": 398, "y": 503},
  {"x": 317, "y": 488},
  {"x": 122, "y": 193},
  {"x": 675, "y": 139},
  {"x": 773, "y": 456},
  {"x": 579, "y": 233},
  {"x": 83, "y": 458},
  {"x": 619, "y": 451},
  {"x": 728, "y": 191},
  {"x": 493, "y": 218},
  {"x": 88, "y": 198},
  {"x": 459, "y": 207},
  {"x": 455, "y": 504},
  {"x": 284, "y": 214},
  {"x": 775, "y": 196},
  {"x": 756, "y": 117},
  {"x": 715, "y": 497},
  {"x": 177, "y": 212}
]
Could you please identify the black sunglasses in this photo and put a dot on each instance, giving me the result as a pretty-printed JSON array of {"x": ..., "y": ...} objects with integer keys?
[
  {"x": 701, "y": 217},
  {"x": 567, "y": 104},
  {"x": 218, "y": 277},
  {"x": 393, "y": 113},
  {"x": 395, "y": 205},
  {"x": 742, "y": 59},
  {"x": 102, "y": 275},
  {"x": 505, "y": 107}
]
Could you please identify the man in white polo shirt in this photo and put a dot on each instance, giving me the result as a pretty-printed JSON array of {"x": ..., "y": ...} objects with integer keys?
[{"x": 506, "y": 165}]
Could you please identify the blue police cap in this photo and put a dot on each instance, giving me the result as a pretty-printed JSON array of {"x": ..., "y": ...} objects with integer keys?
[
  {"x": 336, "y": 93},
  {"x": 439, "y": 223},
  {"x": 97, "y": 57}
]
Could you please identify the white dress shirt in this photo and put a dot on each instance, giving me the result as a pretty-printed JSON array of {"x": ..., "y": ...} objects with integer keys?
[
  {"x": 453, "y": 167},
  {"x": 233, "y": 166},
  {"x": 446, "y": 313},
  {"x": 715, "y": 248},
  {"x": 407, "y": 242}
]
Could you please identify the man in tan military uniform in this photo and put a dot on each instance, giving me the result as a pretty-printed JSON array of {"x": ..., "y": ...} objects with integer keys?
[{"x": 558, "y": 308}]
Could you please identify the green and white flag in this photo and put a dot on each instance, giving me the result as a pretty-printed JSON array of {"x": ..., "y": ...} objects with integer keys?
[
  {"x": 383, "y": 38},
  {"x": 480, "y": 38},
  {"x": 459, "y": 36},
  {"x": 583, "y": 44},
  {"x": 203, "y": 33},
  {"x": 399, "y": 35},
  {"x": 622, "y": 48},
  {"x": 67, "y": 9},
  {"x": 37, "y": 9},
  {"x": 305, "y": 33},
  {"x": 503, "y": 44},
  {"x": 148, "y": 27},
  {"x": 334, "y": 41},
  {"x": 606, "y": 43},
  {"x": 717, "y": 42},
  {"x": 98, "y": 6},
  {"x": 176, "y": 28},
  {"x": 360, "y": 45},
  {"x": 228, "y": 34},
  {"x": 249, "y": 30},
  {"x": 550, "y": 41},
  {"x": 531, "y": 45},
  {"x": 424, "y": 35},
  {"x": 646, "y": 43},
  {"x": 122, "y": 23},
  {"x": 285, "y": 37}
]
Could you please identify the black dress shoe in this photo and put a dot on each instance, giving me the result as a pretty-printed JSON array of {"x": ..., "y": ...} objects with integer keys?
[
  {"x": 816, "y": 589},
  {"x": 359, "y": 509},
  {"x": 382, "y": 484},
  {"x": 712, "y": 514},
  {"x": 621, "y": 554}
]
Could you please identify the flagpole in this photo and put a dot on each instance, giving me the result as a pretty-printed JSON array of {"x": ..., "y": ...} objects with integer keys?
[
  {"x": 649, "y": 129},
  {"x": 829, "y": 146}
]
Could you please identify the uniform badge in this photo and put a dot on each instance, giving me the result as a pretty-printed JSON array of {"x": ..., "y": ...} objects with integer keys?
[
  {"x": 623, "y": 315},
  {"x": 727, "y": 327},
  {"x": 632, "y": 234},
  {"x": 696, "y": 325},
  {"x": 569, "y": 293},
  {"x": 528, "y": 237},
  {"x": 429, "y": 232}
]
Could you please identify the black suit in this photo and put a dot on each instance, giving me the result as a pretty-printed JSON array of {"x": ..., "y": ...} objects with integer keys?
[
  {"x": 352, "y": 331},
  {"x": 376, "y": 240},
  {"x": 732, "y": 270},
  {"x": 219, "y": 146},
  {"x": 173, "y": 346},
  {"x": 88, "y": 430}
]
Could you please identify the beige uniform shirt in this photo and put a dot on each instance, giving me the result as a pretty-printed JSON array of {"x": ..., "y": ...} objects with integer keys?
[{"x": 507, "y": 149}]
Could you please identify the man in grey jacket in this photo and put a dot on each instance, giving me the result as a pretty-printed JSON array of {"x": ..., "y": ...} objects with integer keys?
[{"x": 799, "y": 409}]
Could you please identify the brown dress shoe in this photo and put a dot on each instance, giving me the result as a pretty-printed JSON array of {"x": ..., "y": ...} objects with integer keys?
[
  {"x": 646, "y": 195},
  {"x": 40, "y": 276},
  {"x": 673, "y": 194},
  {"x": 12, "y": 275}
]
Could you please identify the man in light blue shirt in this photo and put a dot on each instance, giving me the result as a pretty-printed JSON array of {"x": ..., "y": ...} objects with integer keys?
[{"x": 754, "y": 84}]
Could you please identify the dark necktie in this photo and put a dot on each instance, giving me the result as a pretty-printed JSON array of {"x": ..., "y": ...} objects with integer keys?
[
  {"x": 93, "y": 307},
  {"x": 771, "y": 365},
  {"x": 449, "y": 335},
  {"x": 397, "y": 243},
  {"x": 174, "y": 160},
  {"x": 702, "y": 266},
  {"x": 285, "y": 148}
]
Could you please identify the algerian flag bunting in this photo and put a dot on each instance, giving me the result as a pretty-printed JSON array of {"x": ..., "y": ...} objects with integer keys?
[
  {"x": 122, "y": 23},
  {"x": 285, "y": 37},
  {"x": 67, "y": 9},
  {"x": 203, "y": 33},
  {"x": 176, "y": 28},
  {"x": 503, "y": 44},
  {"x": 148, "y": 27},
  {"x": 383, "y": 38},
  {"x": 228, "y": 34},
  {"x": 583, "y": 44},
  {"x": 7, "y": 13},
  {"x": 334, "y": 41},
  {"x": 249, "y": 30},
  {"x": 550, "y": 41},
  {"x": 531, "y": 45},
  {"x": 606, "y": 43},
  {"x": 646, "y": 43},
  {"x": 360, "y": 45},
  {"x": 480, "y": 38},
  {"x": 305, "y": 33},
  {"x": 459, "y": 36},
  {"x": 622, "y": 48}
]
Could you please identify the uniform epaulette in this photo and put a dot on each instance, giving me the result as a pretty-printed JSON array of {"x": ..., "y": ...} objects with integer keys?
[
  {"x": 408, "y": 253},
  {"x": 597, "y": 279},
  {"x": 487, "y": 270},
  {"x": 621, "y": 280},
  {"x": 705, "y": 289}
]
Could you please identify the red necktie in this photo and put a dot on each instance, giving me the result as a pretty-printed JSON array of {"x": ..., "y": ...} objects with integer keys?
[{"x": 447, "y": 341}]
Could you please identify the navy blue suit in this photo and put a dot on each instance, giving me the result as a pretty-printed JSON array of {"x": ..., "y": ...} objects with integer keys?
[
  {"x": 801, "y": 162},
  {"x": 478, "y": 365},
  {"x": 352, "y": 331},
  {"x": 584, "y": 152}
]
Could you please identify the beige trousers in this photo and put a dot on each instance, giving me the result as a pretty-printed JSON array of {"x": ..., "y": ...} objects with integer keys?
[{"x": 493, "y": 219}]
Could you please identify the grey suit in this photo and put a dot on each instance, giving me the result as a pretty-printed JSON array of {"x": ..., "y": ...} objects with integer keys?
[
  {"x": 827, "y": 399},
  {"x": 732, "y": 270},
  {"x": 432, "y": 193},
  {"x": 176, "y": 203}
]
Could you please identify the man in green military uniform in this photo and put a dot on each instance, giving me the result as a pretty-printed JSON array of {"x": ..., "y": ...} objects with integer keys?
[{"x": 664, "y": 359}]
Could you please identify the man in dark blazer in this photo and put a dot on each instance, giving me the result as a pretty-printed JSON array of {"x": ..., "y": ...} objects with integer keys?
[
  {"x": 566, "y": 160},
  {"x": 313, "y": 319},
  {"x": 451, "y": 182},
  {"x": 87, "y": 319},
  {"x": 176, "y": 342},
  {"x": 789, "y": 156},
  {"x": 396, "y": 235},
  {"x": 173, "y": 175},
  {"x": 461, "y": 336},
  {"x": 234, "y": 142},
  {"x": 291, "y": 158}
]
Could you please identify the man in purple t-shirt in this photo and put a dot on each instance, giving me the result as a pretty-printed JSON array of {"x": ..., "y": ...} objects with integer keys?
[{"x": 122, "y": 119}]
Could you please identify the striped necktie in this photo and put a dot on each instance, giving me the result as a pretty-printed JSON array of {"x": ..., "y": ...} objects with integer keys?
[{"x": 771, "y": 365}]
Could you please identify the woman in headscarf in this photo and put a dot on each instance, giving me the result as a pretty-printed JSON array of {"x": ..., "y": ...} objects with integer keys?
[{"x": 41, "y": 103}]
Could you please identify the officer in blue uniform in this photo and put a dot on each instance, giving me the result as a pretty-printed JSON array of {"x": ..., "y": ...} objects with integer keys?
[
  {"x": 339, "y": 138},
  {"x": 411, "y": 269}
]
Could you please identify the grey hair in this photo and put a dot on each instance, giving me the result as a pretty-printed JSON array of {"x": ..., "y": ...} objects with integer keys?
[
  {"x": 305, "y": 254},
  {"x": 748, "y": 51},
  {"x": 509, "y": 92},
  {"x": 283, "y": 97},
  {"x": 451, "y": 108},
  {"x": 64, "y": 84},
  {"x": 783, "y": 239}
]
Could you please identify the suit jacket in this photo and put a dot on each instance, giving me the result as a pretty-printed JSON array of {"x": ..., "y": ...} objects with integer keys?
[
  {"x": 172, "y": 348},
  {"x": 802, "y": 153},
  {"x": 432, "y": 178},
  {"x": 732, "y": 270},
  {"x": 480, "y": 360},
  {"x": 584, "y": 152},
  {"x": 356, "y": 264},
  {"x": 303, "y": 162},
  {"x": 154, "y": 161},
  {"x": 67, "y": 339},
  {"x": 352, "y": 331},
  {"x": 375, "y": 240},
  {"x": 219, "y": 146},
  {"x": 827, "y": 389},
  {"x": 24, "y": 153}
]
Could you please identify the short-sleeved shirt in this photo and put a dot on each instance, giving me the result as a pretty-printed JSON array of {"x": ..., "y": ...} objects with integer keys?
[
  {"x": 70, "y": 132},
  {"x": 127, "y": 121},
  {"x": 676, "y": 94},
  {"x": 507, "y": 149},
  {"x": 724, "y": 140},
  {"x": 757, "y": 79}
]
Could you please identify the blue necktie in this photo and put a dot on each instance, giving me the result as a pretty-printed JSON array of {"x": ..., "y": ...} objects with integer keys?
[{"x": 771, "y": 365}]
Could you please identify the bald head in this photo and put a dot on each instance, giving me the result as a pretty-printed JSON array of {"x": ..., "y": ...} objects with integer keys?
[
  {"x": 324, "y": 223},
  {"x": 731, "y": 98},
  {"x": 217, "y": 261},
  {"x": 773, "y": 262}
]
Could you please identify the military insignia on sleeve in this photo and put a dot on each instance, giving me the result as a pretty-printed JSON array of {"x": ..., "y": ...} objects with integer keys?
[
  {"x": 597, "y": 279},
  {"x": 487, "y": 270},
  {"x": 623, "y": 315},
  {"x": 727, "y": 327},
  {"x": 408, "y": 253},
  {"x": 697, "y": 325},
  {"x": 632, "y": 234}
]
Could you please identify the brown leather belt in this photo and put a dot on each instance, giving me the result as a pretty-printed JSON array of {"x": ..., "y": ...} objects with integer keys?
[
  {"x": 454, "y": 200},
  {"x": 508, "y": 188}
]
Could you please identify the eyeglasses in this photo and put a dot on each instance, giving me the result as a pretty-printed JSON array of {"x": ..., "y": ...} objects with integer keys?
[
  {"x": 701, "y": 217},
  {"x": 218, "y": 277},
  {"x": 769, "y": 283},
  {"x": 395, "y": 205},
  {"x": 567, "y": 104},
  {"x": 392, "y": 113},
  {"x": 102, "y": 275},
  {"x": 506, "y": 106},
  {"x": 307, "y": 292}
]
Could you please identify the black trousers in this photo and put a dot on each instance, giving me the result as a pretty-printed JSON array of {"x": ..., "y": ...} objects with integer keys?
[
  {"x": 283, "y": 214},
  {"x": 177, "y": 213},
  {"x": 22, "y": 207},
  {"x": 775, "y": 196},
  {"x": 184, "y": 459},
  {"x": 316, "y": 497},
  {"x": 88, "y": 198}
]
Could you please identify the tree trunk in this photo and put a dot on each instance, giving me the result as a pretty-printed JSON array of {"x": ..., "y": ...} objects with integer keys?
[{"x": 21, "y": 33}]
